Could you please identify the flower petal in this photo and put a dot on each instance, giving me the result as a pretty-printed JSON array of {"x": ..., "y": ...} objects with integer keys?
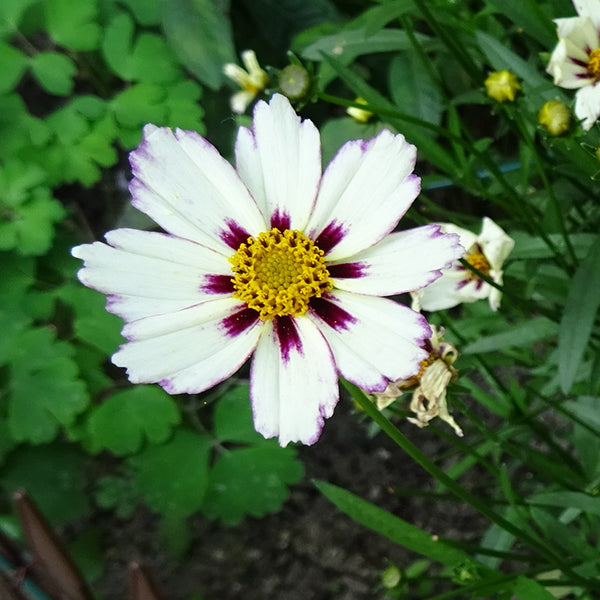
[
  {"x": 495, "y": 243},
  {"x": 452, "y": 288},
  {"x": 374, "y": 340},
  {"x": 280, "y": 163},
  {"x": 365, "y": 190},
  {"x": 401, "y": 262},
  {"x": 149, "y": 273},
  {"x": 588, "y": 8},
  {"x": 587, "y": 105},
  {"x": 293, "y": 381},
  {"x": 191, "y": 191},
  {"x": 190, "y": 350}
]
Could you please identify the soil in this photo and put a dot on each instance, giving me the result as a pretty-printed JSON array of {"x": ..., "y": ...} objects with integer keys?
[{"x": 309, "y": 550}]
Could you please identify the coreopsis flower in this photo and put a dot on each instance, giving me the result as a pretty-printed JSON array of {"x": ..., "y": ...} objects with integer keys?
[
  {"x": 502, "y": 86},
  {"x": 486, "y": 252},
  {"x": 360, "y": 115},
  {"x": 429, "y": 385},
  {"x": 555, "y": 117},
  {"x": 273, "y": 259},
  {"x": 575, "y": 61},
  {"x": 252, "y": 81}
]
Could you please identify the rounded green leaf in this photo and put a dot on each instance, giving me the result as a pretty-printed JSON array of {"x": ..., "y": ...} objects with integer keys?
[
  {"x": 122, "y": 423},
  {"x": 12, "y": 66},
  {"x": 54, "y": 71},
  {"x": 72, "y": 24},
  {"x": 173, "y": 477},
  {"x": 251, "y": 481}
]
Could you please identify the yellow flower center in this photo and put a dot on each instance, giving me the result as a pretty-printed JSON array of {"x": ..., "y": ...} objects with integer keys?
[
  {"x": 593, "y": 66},
  {"x": 480, "y": 262},
  {"x": 277, "y": 273}
]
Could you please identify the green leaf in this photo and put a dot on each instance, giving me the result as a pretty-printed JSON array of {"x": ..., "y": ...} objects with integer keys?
[
  {"x": 578, "y": 317},
  {"x": 118, "y": 494},
  {"x": 250, "y": 481},
  {"x": 11, "y": 13},
  {"x": 87, "y": 552},
  {"x": 146, "y": 12},
  {"x": 12, "y": 66},
  {"x": 336, "y": 132},
  {"x": 173, "y": 477},
  {"x": 233, "y": 417},
  {"x": 54, "y": 71},
  {"x": 567, "y": 499},
  {"x": 54, "y": 477},
  {"x": 123, "y": 421},
  {"x": 528, "y": 589},
  {"x": 392, "y": 527},
  {"x": 72, "y": 24},
  {"x": 412, "y": 89},
  {"x": 92, "y": 324},
  {"x": 46, "y": 392},
  {"x": 200, "y": 35},
  {"x": 528, "y": 15},
  {"x": 522, "y": 334},
  {"x": 139, "y": 104}
]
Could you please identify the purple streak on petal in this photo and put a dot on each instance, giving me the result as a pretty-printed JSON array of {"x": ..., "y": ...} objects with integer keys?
[
  {"x": 289, "y": 340},
  {"x": 461, "y": 284},
  {"x": 348, "y": 270},
  {"x": 331, "y": 236},
  {"x": 280, "y": 220},
  {"x": 479, "y": 283},
  {"x": 335, "y": 316},
  {"x": 233, "y": 235},
  {"x": 240, "y": 321},
  {"x": 577, "y": 61},
  {"x": 217, "y": 284}
]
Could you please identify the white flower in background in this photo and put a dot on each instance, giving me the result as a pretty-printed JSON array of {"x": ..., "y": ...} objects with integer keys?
[
  {"x": 252, "y": 81},
  {"x": 486, "y": 252},
  {"x": 575, "y": 62},
  {"x": 274, "y": 259},
  {"x": 429, "y": 385}
]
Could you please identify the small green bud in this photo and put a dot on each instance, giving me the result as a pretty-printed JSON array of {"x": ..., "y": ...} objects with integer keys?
[
  {"x": 294, "y": 81},
  {"x": 391, "y": 577},
  {"x": 502, "y": 86}
]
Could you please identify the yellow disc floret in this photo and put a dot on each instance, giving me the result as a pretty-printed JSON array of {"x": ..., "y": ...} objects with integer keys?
[
  {"x": 277, "y": 273},
  {"x": 593, "y": 66},
  {"x": 480, "y": 262}
]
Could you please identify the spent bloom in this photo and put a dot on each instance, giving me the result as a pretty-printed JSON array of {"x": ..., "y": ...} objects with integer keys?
[
  {"x": 555, "y": 117},
  {"x": 486, "y": 252},
  {"x": 253, "y": 80},
  {"x": 273, "y": 259},
  {"x": 429, "y": 385},
  {"x": 502, "y": 86},
  {"x": 575, "y": 61}
]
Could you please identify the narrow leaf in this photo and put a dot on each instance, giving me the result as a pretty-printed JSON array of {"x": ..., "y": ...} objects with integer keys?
[{"x": 578, "y": 317}]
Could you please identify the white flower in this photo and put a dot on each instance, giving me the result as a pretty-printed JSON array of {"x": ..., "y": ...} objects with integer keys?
[
  {"x": 486, "y": 252},
  {"x": 428, "y": 385},
  {"x": 575, "y": 62},
  {"x": 252, "y": 80},
  {"x": 274, "y": 259}
]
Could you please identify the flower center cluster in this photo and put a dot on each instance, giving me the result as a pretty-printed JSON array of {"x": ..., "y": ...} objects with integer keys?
[
  {"x": 480, "y": 262},
  {"x": 277, "y": 273},
  {"x": 593, "y": 66}
]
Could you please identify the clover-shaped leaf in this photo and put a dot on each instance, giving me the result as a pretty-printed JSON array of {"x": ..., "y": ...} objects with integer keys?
[
  {"x": 72, "y": 24},
  {"x": 12, "y": 66},
  {"x": 173, "y": 476},
  {"x": 121, "y": 423},
  {"x": 54, "y": 71},
  {"x": 28, "y": 209},
  {"x": 250, "y": 481},
  {"x": 46, "y": 392},
  {"x": 147, "y": 58}
]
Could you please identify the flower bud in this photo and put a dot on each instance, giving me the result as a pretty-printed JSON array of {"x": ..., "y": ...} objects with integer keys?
[
  {"x": 360, "y": 115},
  {"x": 502, "y": 86},
  {"x": 294, "y": 81},
  {"x": 555, "y": 117}
]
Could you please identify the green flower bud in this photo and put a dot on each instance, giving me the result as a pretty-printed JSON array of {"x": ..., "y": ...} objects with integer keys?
[
  {"x": 294, "y": 81},
  {"x": 555, "y": 117},
  {"x": 502, "y": 86}
]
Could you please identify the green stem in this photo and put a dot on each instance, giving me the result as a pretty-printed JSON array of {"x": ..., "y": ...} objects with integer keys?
[{"x": 553, "y": 557}]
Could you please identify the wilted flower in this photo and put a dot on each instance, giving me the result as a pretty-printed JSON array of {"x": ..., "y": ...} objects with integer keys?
[
  {"x": 575, "y": 62},
  {"x": 555, "y": 117},
  {"x": 502, "y": 86},
  {"x": 252, "y": 80},
  {"x": 273, "y": 259},
  {"x": 360, "y": 115},
  {"x": 486, "y": 252},
  {"x": 429, "y": 385}
]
